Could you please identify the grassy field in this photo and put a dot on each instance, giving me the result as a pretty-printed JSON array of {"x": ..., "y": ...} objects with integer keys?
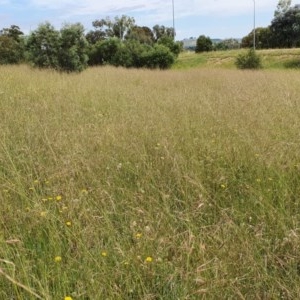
[
  {"x": 271, "y": 59},
  {"x": 135, "y": 184}
]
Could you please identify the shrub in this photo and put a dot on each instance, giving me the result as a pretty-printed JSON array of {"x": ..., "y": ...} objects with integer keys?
[
  {"x": 168, "y": 41},
  {"x": 158, "y": 57},
  {"x": 249, "y": 60}
]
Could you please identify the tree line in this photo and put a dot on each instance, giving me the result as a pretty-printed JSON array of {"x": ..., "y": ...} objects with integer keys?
[
  {"x": 283, "y": 32},
  {"x": 118, "y": 41}
]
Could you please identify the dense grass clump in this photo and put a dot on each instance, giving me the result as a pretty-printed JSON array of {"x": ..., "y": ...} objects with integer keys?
[
  {"x": 126, "y": 184},
  {"x": 249, "y": 60}
]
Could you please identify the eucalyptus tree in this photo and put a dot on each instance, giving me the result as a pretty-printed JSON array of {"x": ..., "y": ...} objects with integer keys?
[{"x": 11, "y": 45}]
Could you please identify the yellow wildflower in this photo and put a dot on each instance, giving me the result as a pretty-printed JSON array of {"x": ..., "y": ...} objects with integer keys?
[
  {"x": 68, "y": 223},
  {"x": 57, "y": 259},
  {"x": 58, "y": 198},
  {"x": 138, "y": 235},
  {"x": 68, "y": 298},
  {"x": 104, "y": 253},
  {"x": 149, "y": 259}
]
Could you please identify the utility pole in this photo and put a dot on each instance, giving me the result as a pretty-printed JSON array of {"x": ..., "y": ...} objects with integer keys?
[
  {"x": 254, "y": 26},
  {"x": 173, "y": 20}
]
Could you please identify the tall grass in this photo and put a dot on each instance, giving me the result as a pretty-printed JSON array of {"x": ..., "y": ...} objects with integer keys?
[{"x": 132, "y": 184}]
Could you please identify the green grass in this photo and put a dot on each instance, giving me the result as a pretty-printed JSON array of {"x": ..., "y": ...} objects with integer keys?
[
  {"x": 149, "y": 184},
  {"x": 271, "y": 59}
]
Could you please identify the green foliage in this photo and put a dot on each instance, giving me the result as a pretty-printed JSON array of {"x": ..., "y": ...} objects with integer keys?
[
  {"x": 168, "y": 41},
  {"x": 108, "y": 28},
  {"x": 249, "y": 60},
  {"x": 130, "y": 53},
  {"x": 122, "y": 43},
  {"x": 158, "y": 57},
  {"x": 143, "y": 35},
  {"x": 137, "y": 51},
  {"x": 263, "y": 38},
  {"x": 11, "y": 45},
  {"x": 73, "y": 48},
  {"x": 63, "y": 50},
  {"x": 284, "y": 31},
  {"x": 43, "y": 47},
  {"x": 159, "y": 31},
  {"x": 103, "y": 52},
  {"x": 11, "y": 52},
  {"x": 292, "y": 64},
  {"x": 227, "y": 44},
  {"x": 285, "y": 28},
  {"x": 282, "y": 7},
  {"x": 203, "y": 44}
]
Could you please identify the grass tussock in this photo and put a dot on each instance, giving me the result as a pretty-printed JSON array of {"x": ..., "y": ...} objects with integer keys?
[{"x": 125, "y": 184}]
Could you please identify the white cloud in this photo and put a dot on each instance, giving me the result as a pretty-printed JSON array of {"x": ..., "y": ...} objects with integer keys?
[
  {"x": 154, "y": 9},
  {"x": 191, "y": 16}
]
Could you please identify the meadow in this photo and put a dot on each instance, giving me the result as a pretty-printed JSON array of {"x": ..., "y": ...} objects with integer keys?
[
  {"x": 271, "y": 59},
  {"x": 138, "y": 184}
]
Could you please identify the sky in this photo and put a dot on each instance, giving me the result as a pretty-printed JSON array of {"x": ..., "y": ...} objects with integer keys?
[{"x": 213, "y": 18}]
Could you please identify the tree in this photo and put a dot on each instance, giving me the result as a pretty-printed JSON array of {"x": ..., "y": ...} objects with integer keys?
[
  {"x": 143, "y": 35},
  {"x": 263, "y": 38},
  {"x": 11, "y": 45},
  {"x": 285, "y": 27},
  {"x": 94, "y": 36},
  {"x": 282, "y": 7},
  {"x": 122, "y": 25},
  {"x": 107, "y": 28},
  {"x": 43, "y": 47},
  {"x": 160, "y": 31},
  {"x": 73, "y": 48},
  {"x": 13, "y": 32},
  {"x": 64, "y": 50},
  {"x": 203, "y": 44}
]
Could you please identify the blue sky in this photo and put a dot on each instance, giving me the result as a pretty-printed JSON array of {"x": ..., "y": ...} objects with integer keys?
[{"x": 213, "y": 18}]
